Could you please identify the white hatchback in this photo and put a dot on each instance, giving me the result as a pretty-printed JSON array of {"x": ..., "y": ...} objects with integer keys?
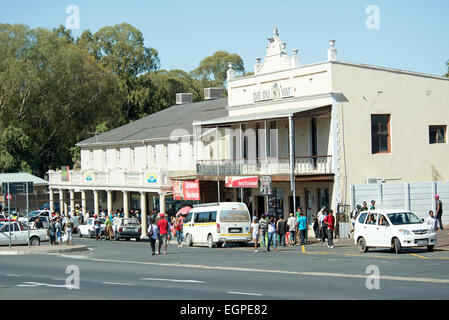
[{"x": 394, "y": 229}]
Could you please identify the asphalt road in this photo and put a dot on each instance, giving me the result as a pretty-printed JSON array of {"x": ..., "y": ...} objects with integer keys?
[{"x": 126, "y": 270}]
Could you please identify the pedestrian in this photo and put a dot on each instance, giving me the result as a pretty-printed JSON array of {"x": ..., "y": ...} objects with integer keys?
[
  {"x": 271, "y": 233},
  {"x": 255, "y": 232},
  {"x": 68, "y": 230},
  {"x": 353, "y": 216},
  {"x": 302, "y": 226},
  {"x": 58, "y": 231},
  {"x": 37, "y": 224},
  {"x": 52, "y": 232},
  {"x": 373, "y": 205},
  {"x": 323, "y": 226},
  {"x": 298, "y": 214},
  {"x": 153, "y": 233},
  {"x": 291, "y": 223},
  {"x": 109, "y": 232},
  {"x": 179, "y": 225},
  {"x": 432, "y": 221},
  {"x": 163, "y": 233},
  {"x": 439, "y": 210},
  {"x": 364, "y": 206},
  {"x": 97, "y": 228},
  {"x": 281, "y": 227},
  {"x": 330, "y": 222},
  {"x": 264, "y": 228}
]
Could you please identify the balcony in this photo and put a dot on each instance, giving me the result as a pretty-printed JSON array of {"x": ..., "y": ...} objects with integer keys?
[
  {"x": 116, "y": 177},
  {"x": 267, "y": 166}
]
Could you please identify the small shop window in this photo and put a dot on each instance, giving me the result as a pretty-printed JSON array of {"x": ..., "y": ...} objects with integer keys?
[{"x": 380, "y": 133}]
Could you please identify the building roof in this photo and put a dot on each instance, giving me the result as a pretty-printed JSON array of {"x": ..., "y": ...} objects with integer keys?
[
  {"x": 21, "y": 177},
  {"x": 162, "y": 125}
]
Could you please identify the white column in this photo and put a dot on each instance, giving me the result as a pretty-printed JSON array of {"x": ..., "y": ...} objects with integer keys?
[
  {"x": 109, "y": 193},
  {"x": 52, "y": 201},
  {"x": 96, "y": 203},
  {"x": 72, "y": 200},
  {"x": 61, "y": 201},
  {"x": 83, "y": 202},
  {"x": 143, "y": 212},
  {"x": 126, "y": 204},
  {"x": 162, "y": 202}
]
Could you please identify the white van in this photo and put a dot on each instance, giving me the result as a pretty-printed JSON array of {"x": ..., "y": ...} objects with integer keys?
[{"x": 218, "y": 223}]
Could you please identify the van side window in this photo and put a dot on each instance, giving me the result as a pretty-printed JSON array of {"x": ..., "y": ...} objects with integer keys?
[
  {"x": 197, "y": 217},
  {"x": 189, "y": 217},
  {"x": 213, "y": 216}
]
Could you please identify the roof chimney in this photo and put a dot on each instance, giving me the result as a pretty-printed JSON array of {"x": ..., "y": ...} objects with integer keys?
[
  {"x": 183, "y": 98},
  {"x": 332, "y": 52},
  {"x": 212, "y": 93}
]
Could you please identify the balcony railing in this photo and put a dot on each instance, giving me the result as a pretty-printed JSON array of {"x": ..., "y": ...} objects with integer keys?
[
  {"x": 115, "y": 177},
  {"x": 266, "y": 166}
]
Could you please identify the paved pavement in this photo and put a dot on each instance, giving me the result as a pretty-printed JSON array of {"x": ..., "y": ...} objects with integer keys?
[{"x": 42, "y": 249}]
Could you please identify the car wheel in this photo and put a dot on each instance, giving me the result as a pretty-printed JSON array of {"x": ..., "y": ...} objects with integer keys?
[
  {"x": 361, "y": 244},
  {"x": 127, "y": 239},
  {"x": 430, "y": 248},
  {"x": 242, "y": 244},
  {"x": 219, "y": 244},
  {"x": 34, "y": 241},
  {"x": 117, "y": 238},
  {"x": 189, "y": 241},
  {"x": 210, "y": 241},
  {"x": 397, "y": 246},
  {"x": 137, "y": 239}
]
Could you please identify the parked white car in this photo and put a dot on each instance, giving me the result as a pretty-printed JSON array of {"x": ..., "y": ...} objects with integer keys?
[
  {"x": 19, "y": 234},
  {"x": 40, "y": 213},
  {"x": 394, "y": 229},
  {"x": 88, "y": 228},
  {"x": 218, "y": 223}
]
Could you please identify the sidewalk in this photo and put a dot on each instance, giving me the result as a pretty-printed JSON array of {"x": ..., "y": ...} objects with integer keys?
[{"x": 46, "y": 248}]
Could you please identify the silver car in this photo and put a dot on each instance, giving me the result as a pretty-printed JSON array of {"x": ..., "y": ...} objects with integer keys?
[{"x": 126, "y": 228}]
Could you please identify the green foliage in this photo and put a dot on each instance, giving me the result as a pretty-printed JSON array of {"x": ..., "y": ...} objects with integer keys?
[
  {"x": 212, "y": 70},
  {"x": 14, "y": 144},
  {"x": 447, "y": 74},
  {"x": 75, "y": 153}
]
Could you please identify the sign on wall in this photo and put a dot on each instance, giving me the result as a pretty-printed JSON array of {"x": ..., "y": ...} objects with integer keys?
[
  {"x": 186, "y": 190},
  {"x": 241, "y": 182},
  {"x": 265, "y": 185}
]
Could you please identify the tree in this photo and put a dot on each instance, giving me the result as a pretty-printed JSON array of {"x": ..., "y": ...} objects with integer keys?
[
  {"x": 121, "y": 49},
  {"x": 447, "y": 74},
  {"x": 14, "y": 144},
  {"x": 53, "y": 91},
  {"x": 212, "y": 70}
]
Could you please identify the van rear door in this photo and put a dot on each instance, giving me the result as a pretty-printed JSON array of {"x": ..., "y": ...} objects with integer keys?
[{"x": 234, "y": 222}]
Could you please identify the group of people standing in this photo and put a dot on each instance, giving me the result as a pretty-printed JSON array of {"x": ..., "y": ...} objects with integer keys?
[
  {"x": 161, "y": 228},
  {"x": 272, "y": 231}
]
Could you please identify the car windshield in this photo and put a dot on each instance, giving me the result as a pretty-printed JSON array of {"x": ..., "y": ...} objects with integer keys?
[
  {"x": 33, "y": 213},
  {"x": 234, "y": 216},
  {"x": 403, "y": 218}
]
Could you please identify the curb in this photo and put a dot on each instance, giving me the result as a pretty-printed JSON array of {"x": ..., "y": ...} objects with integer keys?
[{"x": 45, "y": 251}]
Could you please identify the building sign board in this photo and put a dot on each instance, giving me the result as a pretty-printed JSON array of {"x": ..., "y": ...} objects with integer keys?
[
  {"x": 186, "y": 190},
  {"x": 241, "y": 182}
]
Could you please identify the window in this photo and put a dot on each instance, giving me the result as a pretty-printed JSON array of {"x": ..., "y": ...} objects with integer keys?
[
  {"x": 437, "y": 134},
  {"x": 234, "y": 216},
  {"x": 380, "y": 133}
]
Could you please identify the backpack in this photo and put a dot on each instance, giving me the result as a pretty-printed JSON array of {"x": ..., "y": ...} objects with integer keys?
[{"x": 150, "y": 234}]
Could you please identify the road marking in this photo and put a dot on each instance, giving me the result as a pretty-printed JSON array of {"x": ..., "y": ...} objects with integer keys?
[
  {"x": 172, "y": 280},
  {"x": 12, "y": 275},
  {"x": 303, "y": 249},
  {"x": 417, "y": 255},
  {"x": 246, "y": 293},
  {"x": 252, "y": 270},
  {"x": 119, "y": 283},
  {"x": 36, "y": 284}
]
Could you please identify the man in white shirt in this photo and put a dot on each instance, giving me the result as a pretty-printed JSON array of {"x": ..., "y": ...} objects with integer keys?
[
  {"x": 291, "y": 223},
  {"x": 431, "y": 221}
]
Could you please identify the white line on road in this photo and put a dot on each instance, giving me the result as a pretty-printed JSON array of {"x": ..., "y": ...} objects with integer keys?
[
  {"x": 172, "y": 280},
  {"x": 119, "y": 283},
  {"x": 12, "y": 275},
  {"x": 252, "y": 270},
  {"x": 247, "y": 293},
  {"x": 35, "y": 284}
]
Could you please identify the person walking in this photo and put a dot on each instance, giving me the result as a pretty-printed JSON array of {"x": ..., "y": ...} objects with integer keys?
[
  {"x": 298, "y": 214},
  {"x": 58, "y": 231},
  {"x": 255, "y": 232},
  {"x": 302, "y": 226},
  {"x": 97, "y": 228},
  {"x": 153, "y": 232},
  {"x": 323, "y": 226},
  {"x": 281, "y": 227},
  {"x": 52, "y": 232},
  {"x": 163, "y": 233},
  {"x": 439, "y": 210},
  {"x": 353, "y": 216},
  {"x": 68, "y": 230},
  {"x": 431, "y": 221},
  {"x": 271, "y": 233},
  {"x": 109, "y": 231},
  {"x": 179, "y": 225},
  {"x": 330, "y": 222},
  {"x": 264, "y": 228},
  {"x": 291, "y": 223}
]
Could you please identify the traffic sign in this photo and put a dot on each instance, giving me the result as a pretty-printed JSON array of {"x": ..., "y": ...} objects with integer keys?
[{"x": 8, "y": 197}]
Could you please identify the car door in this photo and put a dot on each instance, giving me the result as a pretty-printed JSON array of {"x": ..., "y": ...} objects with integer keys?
[
  {"x": 187, "y": 229},
  {"x": 4, "y": 235},
  {"x": 383, "y": 230},
  {"x": 21, "y": 236},
  {"x": 369, "y": 229}
]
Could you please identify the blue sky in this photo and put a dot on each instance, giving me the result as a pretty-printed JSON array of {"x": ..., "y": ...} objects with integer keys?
[{"x": 413, "y": 34}]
